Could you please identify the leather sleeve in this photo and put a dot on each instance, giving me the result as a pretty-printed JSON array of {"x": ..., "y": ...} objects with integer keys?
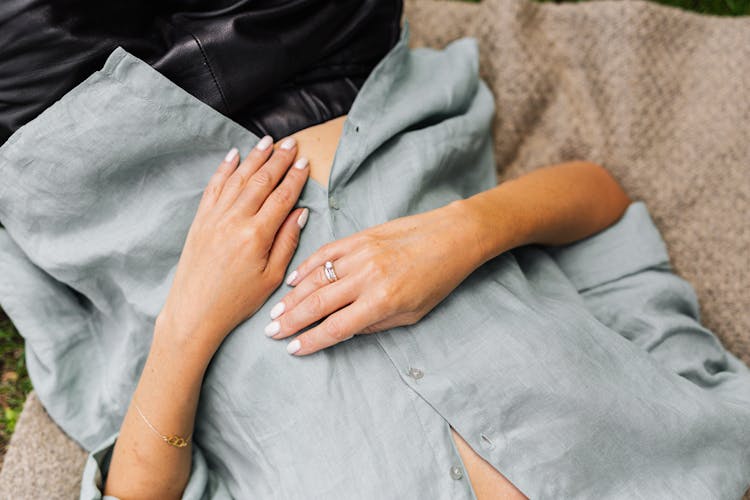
[{"x": 274, "y": 67}]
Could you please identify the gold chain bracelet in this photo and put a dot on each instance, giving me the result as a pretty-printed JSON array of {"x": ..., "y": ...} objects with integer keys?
[{"x": 173, "y": 440}]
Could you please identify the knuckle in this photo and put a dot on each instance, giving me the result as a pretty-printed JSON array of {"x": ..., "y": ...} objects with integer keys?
[
  {"x": 223, "y": 226},
  {"x": 316, "y": 304},
  {"x": 236, "y": 180},
  {"x": 368, "y": 238},
  {"x": 282, "y": 196},
  {"x": 369, "y": 329},
  {"x": 320, "y": 276},
  {"x": 334, "y": 328},
  {"x": 325, "y": 250},
  {"x": 376, "y": 268},
  {"x": 250, "y": 234},
  {"x": 411, "y": 317},
  {"x": 290, "y": 301},
  {"x": 262, "y": 178},
  {"x": 381, "y": 296},
  {"x": 212, "y": 190}
]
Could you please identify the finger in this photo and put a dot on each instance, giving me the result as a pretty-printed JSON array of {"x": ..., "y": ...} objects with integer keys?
[
  {"x": 316, "y": 306},
  {"x": 285, "y": 243},
  {"x": 330, "y": 251},
  {"x": 216, "y": 183},
  {"x": 257, "y": 156},
  {"x": 252, "y": 162},
  {"x": 265, "y": 179},
  {"x": 340, "y": 326},
  {"x": 312, "y": 282},
  {"x": 282, "y": 199}
]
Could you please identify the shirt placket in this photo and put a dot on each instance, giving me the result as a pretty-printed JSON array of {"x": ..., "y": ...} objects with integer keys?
[{"x": 346, "y": 218}]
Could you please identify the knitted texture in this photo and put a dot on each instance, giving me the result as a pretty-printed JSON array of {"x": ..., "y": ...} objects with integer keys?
[{"x": 657, "y": 95}]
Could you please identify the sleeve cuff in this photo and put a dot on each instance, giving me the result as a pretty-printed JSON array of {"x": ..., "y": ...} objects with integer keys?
[
  {"x": 203, "y": 483},
  {"x": 630, "y": 245},
  {"x": 97, "y": 464}
]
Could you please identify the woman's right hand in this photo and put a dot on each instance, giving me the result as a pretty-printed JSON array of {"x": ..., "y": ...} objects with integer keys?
[{"x": 238, "y": 247}]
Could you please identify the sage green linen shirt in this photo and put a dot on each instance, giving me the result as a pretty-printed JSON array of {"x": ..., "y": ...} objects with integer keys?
[{"x": 578, "y": 372}]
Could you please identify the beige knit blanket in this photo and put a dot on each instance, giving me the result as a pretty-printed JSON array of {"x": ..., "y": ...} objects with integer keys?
[{"x": 659, "y": 96}]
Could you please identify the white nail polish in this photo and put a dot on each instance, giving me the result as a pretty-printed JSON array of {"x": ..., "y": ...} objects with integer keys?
[
  {"x": 231, "y": 155},
  {"x": 301, "y": 163},
  {"x": 292, "y": 276},
  {"x": 293, "y": 346},
  {"x": 264, "y": 143},
  {"x": 289, "y": 143},
  {"x": 272, "y": 328},
  {"x": 302, "y": 219},
  {"x": 277, "y": 310}
]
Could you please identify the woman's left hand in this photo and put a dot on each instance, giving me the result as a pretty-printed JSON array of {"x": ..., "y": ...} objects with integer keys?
[{"x": 388, "y": 275}]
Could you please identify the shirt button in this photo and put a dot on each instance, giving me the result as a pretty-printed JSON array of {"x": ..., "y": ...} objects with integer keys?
[
  {"x": 456, "y": 472},
  {"x": 333, "y": 203},
  {"x": 416, "y": 373},
  {"x": 486, "y": 442}
]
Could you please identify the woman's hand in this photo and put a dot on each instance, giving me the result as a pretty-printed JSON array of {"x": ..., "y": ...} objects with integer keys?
[
  {"x": 235, "y": 254},
  {"x": 388, "y": 275},
  {"x": 238, "y": 246},
  {"x": 395, "y": 273}
]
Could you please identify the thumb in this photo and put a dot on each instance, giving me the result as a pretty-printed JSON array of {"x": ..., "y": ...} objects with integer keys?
[{"x": 286, "y": 241}]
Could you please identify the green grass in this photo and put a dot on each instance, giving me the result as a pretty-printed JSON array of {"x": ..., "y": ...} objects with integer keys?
[
  {"x": 14, "y": 380},
  {"x": 715, "y": 7}
]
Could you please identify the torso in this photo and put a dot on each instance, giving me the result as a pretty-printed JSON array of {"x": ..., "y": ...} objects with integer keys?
[{"x": 318, "y": 144}]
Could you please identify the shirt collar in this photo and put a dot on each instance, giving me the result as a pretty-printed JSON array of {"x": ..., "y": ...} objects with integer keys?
[{"x": 367, "y": 125}]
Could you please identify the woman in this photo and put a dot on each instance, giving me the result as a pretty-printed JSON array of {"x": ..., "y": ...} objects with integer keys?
[
  {"x": 488, "y": 368},
  {"x": 246, "y": 230}
]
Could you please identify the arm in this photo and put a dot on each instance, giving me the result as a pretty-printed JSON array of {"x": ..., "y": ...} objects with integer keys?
[
  {"x": 245, "y": 231},
  {"x": 390, "y": 268},
  {"x": 551, "y": 206}
]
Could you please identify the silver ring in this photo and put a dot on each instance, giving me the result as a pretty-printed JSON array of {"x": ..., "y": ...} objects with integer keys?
[{"x": 330, "y": 272}]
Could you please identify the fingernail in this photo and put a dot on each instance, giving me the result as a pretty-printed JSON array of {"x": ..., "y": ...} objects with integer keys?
[
  {"x": 301, "y": 163},
  {"x": 289, "y": 143},
  {"x": 302, "y": 219},
  {"x": 292, "y": 276},
  {"x": 272, "y": 328},
  {"x": 293, "y": 346},
  {"x": 231, "y": 155},
  {"x": 264, "y": 143},
  {"x": 277, "y": 310}
]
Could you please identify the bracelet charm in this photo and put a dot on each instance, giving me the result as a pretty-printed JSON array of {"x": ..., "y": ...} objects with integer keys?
[
  {"x": 173, "y": 440},
  {"x": 176, "y": 441}
]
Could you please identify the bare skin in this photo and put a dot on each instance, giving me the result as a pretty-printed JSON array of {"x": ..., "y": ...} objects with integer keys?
[
  {"x": 246, "y": 231},
  {"x": 319, "y": 144}
]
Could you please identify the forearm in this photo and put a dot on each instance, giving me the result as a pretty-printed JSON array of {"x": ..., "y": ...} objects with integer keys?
[
  {"x": 553, "y": 205},
  {"x": 143, "y": 465}
]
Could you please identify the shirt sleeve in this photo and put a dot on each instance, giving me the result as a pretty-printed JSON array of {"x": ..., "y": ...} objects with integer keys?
[
  {"x": 54, "y": 324},
  {"x": 203, "y": 484},
  {"x": 630, "y": 245},
  {"x": 625, "y": 279}
]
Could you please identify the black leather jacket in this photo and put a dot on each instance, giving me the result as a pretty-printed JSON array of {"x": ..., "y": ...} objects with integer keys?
[{"x": 273, "y": 66}]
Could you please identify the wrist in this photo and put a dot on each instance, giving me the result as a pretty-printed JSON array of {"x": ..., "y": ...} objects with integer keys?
[
  {"x": 174, "y": 366},
  {"x": 495, "y": 226},
  {"x": 194, "y": 343},
  {"x": 473, "y": 234}
]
